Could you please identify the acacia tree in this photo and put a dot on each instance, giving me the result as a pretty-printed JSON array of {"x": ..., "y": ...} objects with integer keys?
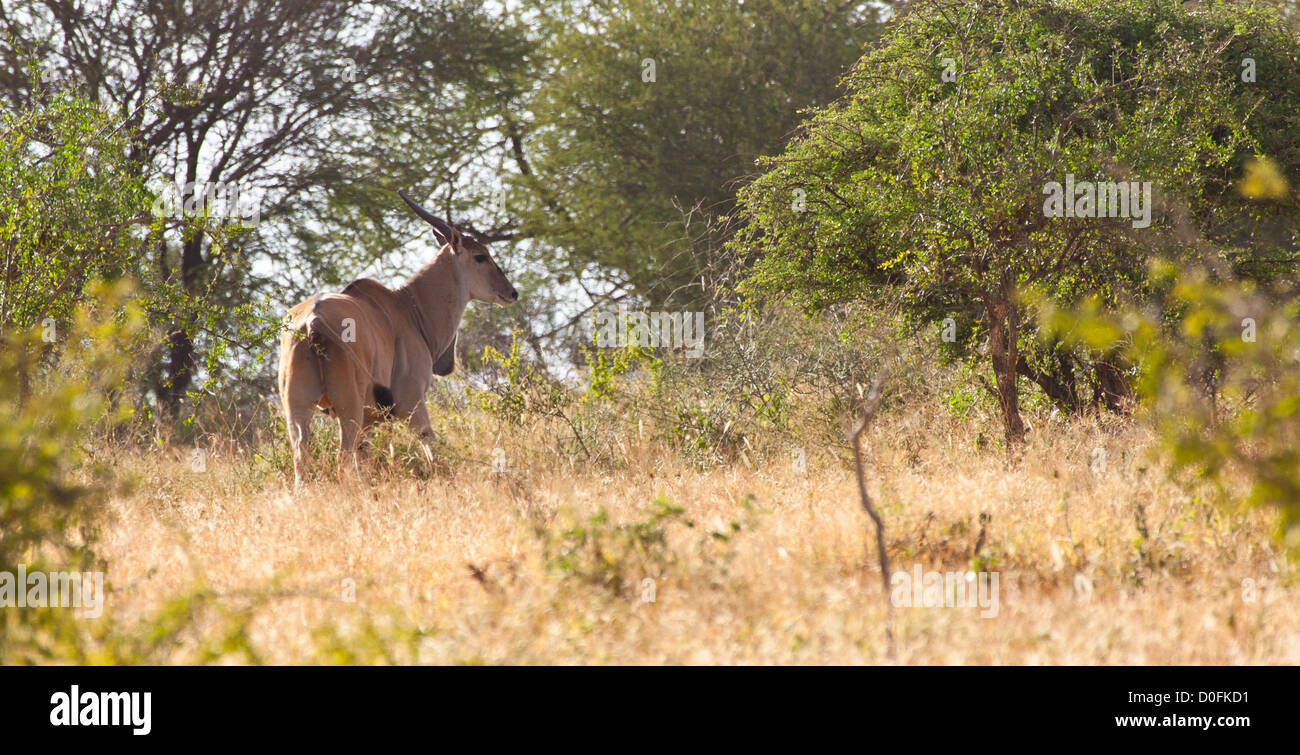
[{"x": 932, "y": 174}]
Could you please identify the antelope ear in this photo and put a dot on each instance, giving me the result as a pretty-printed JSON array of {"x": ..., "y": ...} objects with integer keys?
[{"x": 446, "y": 362}]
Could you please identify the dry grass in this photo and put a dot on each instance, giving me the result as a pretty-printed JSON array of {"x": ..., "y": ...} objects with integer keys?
[{"x": 454, "y": 568}]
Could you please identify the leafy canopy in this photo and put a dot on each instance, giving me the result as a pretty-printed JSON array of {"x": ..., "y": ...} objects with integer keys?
[
  {"x": 939, "y": 185},
  {"x": 650, "y": 111}
]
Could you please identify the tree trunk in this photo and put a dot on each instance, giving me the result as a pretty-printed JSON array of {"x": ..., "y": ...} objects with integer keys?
[
  {"x": 1057, "y": 382},
  {"x": 180, "y": 343},
  {"x": 1112, "y": 389},
  {"x": 1003, "y": 321}
]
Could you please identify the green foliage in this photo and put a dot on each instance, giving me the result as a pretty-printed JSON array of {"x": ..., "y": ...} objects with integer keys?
[
  {"x": 760, "y": 378},
  {"x": 606, "y": 366},
  {"x": 517, "y": 389},
  {"x": 765, "y": 377},
  {"x": 614, "y": 556},
  {"x": 214, "y": 96},
  {"x": 631, "y": 165},
  {"x": 960, "y": 402},
  {"x": 1217, "y": 368},
  {"x": 619, "y": 557},
  {"x": 56, "y": 397},
  {"x": 707, "y": 433},
  {"x": 519, "y": 393},
  {"x": 51, "y": 394},
  {"x": 72, "y": 208},
  {"x": 392, "y": 642},
  {"x": 939, "y": 185},
  {"x": 441, "y": 88}
]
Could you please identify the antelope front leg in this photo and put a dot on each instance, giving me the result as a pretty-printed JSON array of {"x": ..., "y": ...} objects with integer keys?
[{"x": 419, "y": 422}]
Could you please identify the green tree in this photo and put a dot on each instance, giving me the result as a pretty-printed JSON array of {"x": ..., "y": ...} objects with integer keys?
[
  {"x": 931, "y": 174},
  {"x": 647, "y": 114}
]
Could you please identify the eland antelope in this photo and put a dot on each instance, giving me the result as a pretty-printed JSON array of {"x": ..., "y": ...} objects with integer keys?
[{"x": 370, "y": 352}]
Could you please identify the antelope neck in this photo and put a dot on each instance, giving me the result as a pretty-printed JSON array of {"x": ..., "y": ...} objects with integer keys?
[{"x": 436, "y": 283}]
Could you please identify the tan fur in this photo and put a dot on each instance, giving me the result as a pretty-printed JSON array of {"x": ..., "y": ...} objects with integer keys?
[{"x": 400, "y": 335}]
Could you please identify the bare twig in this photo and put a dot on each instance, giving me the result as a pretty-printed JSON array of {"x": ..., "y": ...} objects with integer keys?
[
  {"x": 868, "y": 411},
  {"x": 869, "y": 406},
  {"x": 482, "y": 578}
]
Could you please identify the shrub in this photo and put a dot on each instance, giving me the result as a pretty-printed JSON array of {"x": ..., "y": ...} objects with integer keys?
[{"x": 1217, "y": 367}]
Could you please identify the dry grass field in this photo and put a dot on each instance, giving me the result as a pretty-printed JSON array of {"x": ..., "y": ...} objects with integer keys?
[{"x": 1100, "y": 557}]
